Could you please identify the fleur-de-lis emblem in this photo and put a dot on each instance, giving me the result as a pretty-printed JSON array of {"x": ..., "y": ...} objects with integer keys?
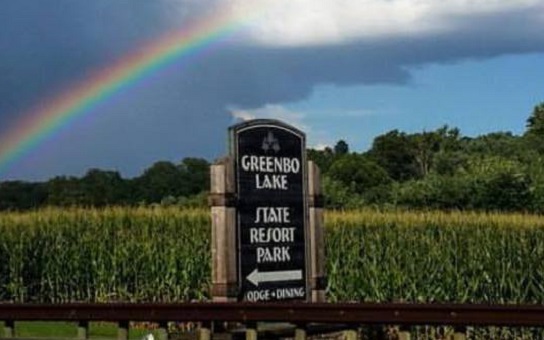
[{"x": 270, "y": 143}]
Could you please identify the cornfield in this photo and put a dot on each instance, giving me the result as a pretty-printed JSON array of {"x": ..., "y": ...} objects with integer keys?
[
  {"x": 115, "y": 254},
  {"x": 435, "y": 257},
  {"x": 163, "y": 254}
]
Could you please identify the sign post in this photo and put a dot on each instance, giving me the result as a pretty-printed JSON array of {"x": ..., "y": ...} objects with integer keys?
[{"x": 270, "y": 174}]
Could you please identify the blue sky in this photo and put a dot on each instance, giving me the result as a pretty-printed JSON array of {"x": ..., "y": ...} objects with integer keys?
[
  {"x": 478, "y": 96},
  {"x": 337, "y": 69}
]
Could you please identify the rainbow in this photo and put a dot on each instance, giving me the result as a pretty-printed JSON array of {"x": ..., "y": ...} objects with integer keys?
[{"x": 53, "y": 114}]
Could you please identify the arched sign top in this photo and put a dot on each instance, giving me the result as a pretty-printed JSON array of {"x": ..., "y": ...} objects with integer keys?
[
  {"x": 272, "y": 123},
  {"x": 271, "y": 213}
]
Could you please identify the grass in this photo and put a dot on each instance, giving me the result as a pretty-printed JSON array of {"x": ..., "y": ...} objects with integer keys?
[{"x": 97, "y": 330}]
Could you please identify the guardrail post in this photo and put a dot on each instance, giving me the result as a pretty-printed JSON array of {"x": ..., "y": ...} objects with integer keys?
[
  {"x": 351, "y": 334},
  {"x": 404, "y": 333},
  {"x": 204, "y": 332},
  {"x": 251, "y": 331},
  {"x": 83, "y": 330},
  {"x": 162, "y": 331},
  {"x": 122, "y": 330},
  {"x": 460, "y": 333},
  {"x": 300, "y": 332},
  {"x": 9, "y": 329}
]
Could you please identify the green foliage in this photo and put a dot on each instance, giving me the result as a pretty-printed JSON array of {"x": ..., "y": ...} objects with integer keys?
[
  {"x": 535, "y": 171},
  {"x": 499, "y": 184},
  {"x": 447, "y": 163},
  {"x": 195, "y": 174},
  {"x": 394, "y": 152},
  {"x": 535, "y": 123},
  {"x": 341, "y": 148},
  {"x": 103, "y": 188},
  {"x": 160, "y": 183},
  {"x": 68, "y": 330},
  {"x": 534, "y": 135},
  {"x": 358, "y": 173},
  {"x": 162, "y": 179},
  {"x": 18, "y": 195},
  {"x": 65, "y": 191},
  {"x": 412, "y": 156},
  {"x": 425, "y": 146},
  {"x": 195, "y": 201},
  {"x": 499, "y": 144},
  {"x": 322, "y": 158},
  {"x": 486, "y": 184},
  {"x": 339, "y": 196}
]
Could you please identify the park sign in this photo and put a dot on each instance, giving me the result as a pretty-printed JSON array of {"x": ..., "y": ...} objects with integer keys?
[
  {"x": 271, "y": 213},
  {"x": 267, "y": 217}
]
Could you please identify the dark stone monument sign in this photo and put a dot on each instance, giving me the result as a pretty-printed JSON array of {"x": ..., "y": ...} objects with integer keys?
[{"x": 270, "y": 176}]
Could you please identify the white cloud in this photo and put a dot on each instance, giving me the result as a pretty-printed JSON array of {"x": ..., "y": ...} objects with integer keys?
[
  {"x": 324, "y": 22},
  {"x": 242, "y": 115},
  {"x": 320, "y": 146},
  {"x": 270, "y": 111}
]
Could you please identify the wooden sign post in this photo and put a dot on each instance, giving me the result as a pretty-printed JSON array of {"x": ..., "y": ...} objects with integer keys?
[{"x": 267, "y": 242}]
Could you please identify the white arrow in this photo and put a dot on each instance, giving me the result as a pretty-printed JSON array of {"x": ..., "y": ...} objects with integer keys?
[{"x": 287, "y": 275}]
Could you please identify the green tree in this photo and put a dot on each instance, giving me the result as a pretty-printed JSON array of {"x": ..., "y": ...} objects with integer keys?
[
  {"x": 534, "y": 134},
  {"x": 65, "y": 191},
  {"x": 535, "y": 123},
  {"x": 426, "y": 145},
  {"x": 499, "y": 184},
  {"x": 358, "y": 173},
  {"x": 162, "y": 179},
  {"x": 322, "y": 158},
  {"x": 339, "y": 196},
  {"x": 341, "y": 148},
  {"x": 500, "y": 144},
  {"x": 195, "y": 176},
  {"x": 103, "y": 188},
  {"x": 490, "y": 183},
  {"x": 19, "y": 195},
  {"x": 394, "y": 152},
  {"x": 438, "y": 150}
]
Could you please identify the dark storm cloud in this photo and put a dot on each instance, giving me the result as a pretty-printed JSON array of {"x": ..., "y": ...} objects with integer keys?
[{"x": 47, "y": 45}]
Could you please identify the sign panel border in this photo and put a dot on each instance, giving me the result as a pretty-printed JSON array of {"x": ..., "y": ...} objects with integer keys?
[{"x": 234, "y": 132}]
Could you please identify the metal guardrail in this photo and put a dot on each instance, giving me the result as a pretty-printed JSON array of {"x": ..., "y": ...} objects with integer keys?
[
  {"x": 363, "y": 313},
  {"x": 295, "y": 313}
]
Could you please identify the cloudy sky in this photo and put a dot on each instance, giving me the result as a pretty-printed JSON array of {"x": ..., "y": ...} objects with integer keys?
[{"x": 339, "y": 69}]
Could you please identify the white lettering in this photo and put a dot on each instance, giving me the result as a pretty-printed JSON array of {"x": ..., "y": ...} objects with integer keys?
[
  {"x": 285, "y": 165},
  {"x": 272, "y": 215},
  {"x": 271, "y": 181},
  {"x": 267, "y": 235},
  {"x": 289, "y": 293},
  {"x": 245, "y": 162},
  {"x": 258, "y": 295},
  {"x": 274, "y": 254}
]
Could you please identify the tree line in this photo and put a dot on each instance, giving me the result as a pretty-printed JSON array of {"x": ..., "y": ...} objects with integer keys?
[
  {"x": 440, "y": 169},
  {"x": 162, "y": 183}
]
